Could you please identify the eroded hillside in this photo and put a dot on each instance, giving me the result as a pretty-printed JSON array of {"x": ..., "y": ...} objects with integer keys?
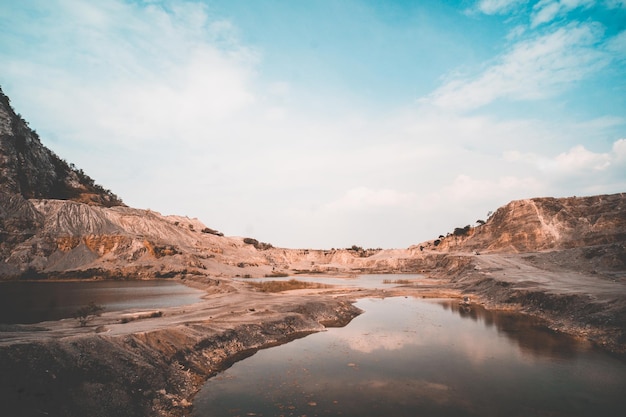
[{"x": 541, "y": 224}]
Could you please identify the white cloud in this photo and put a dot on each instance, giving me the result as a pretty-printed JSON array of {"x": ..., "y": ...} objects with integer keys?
[
  {"x": 364, "y": 198},
  {"x": 547, "y": 10},
  {"x": 578, "y": 169},
  {"x": 516, "y": 33},
  {"x": 619, "y": 150},
  {"x": 168, "y": 70},
  {"x": 617, "y": 45},
  {"x": 498, "y": 6},
  {"x": 530, "y": 70},
  {"x": 279, "y": 88},
  {"x": 468, "y": 190},
  {"x": 578, "y": 160},
  {"x": 616, "y": 4}
]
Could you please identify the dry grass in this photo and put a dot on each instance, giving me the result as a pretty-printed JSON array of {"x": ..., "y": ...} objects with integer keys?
[
  {"x": 396, "y": 281},
  {"x": 292, "y": 284}
]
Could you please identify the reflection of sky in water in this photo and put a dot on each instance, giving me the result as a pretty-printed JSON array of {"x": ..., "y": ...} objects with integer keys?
[{"x": 410, "y": 357}]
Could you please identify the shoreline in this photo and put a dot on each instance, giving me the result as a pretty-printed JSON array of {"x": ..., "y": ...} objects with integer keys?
[{"x": 156, "y": 365}]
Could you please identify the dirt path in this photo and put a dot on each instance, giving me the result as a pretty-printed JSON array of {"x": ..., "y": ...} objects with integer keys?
[{"x": 521, "y": 274}]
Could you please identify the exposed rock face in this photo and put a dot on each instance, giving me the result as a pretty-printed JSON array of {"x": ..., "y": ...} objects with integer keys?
[
  {"x": 19, "y": 221},
  {"x": 540, "y": 224},
  {"x": 31, "y": 170},
  {"x": 65, "y": 239}
]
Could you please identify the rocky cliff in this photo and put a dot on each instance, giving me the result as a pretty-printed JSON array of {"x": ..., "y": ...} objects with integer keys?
[
  {"x": 31, "y": 170},
  {"x": 541, "y": 224}
]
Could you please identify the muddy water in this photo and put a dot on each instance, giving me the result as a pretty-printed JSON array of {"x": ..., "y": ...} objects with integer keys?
[
  {"x": 415, "y": 357},
  {"x": 33, "y": 302}
]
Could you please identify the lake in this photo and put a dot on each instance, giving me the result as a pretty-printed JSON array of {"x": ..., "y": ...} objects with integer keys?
[
  {"x": 33, "y": 302},
  {"x": 418, "y": 357}
]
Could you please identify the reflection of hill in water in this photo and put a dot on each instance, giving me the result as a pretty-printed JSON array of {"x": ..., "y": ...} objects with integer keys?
[{"x": 529, "y": 333}]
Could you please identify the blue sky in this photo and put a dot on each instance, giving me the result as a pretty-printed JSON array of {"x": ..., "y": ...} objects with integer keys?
[{"x": 326, "y": 123}]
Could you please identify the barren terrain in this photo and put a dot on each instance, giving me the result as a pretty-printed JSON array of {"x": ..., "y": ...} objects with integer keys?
[
  {"x": 563, "y": 260},
  {"x": 129, "y": 363}
]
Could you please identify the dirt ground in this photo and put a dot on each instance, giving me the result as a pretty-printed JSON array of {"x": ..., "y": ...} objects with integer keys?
[
  {"x": 131, "y": 363},
  {"x": 559, "y": 287}
]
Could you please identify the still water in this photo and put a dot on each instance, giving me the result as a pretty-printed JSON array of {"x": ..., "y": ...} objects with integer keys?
[
  {"x": 415, "y": 357},
  {"x": 33, "y": 302}
]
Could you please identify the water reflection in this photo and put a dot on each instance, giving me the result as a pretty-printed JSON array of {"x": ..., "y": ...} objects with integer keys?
[
  {"x": 408, "y": 357},
  {"x": 33, "y": 302},
  {"x": 529, "y": 333}
]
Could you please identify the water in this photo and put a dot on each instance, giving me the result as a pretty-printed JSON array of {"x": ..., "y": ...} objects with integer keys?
[
  {"x": 33, "y": 302},
  {"x": 415, "y": 357}
]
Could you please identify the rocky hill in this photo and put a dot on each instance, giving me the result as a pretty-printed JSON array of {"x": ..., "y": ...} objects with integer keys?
[
  {"x": 541, "y": 224},
  {"x": 31, "y": 170}
]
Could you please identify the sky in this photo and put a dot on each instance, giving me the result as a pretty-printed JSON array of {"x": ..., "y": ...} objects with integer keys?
[{"x": 324, "y": 124}]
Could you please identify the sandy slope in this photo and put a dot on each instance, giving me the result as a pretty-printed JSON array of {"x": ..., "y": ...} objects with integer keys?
[{"x": 586, "y": 303}]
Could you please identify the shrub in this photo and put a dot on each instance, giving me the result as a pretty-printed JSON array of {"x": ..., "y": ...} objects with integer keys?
[
  {"x": 212, "y": 231},
  {"x": 292, "y": 284},
  {"x": 396, "y": 281},
  {"x": 250, "y": 241},
  {"x": 462, "y": 231},
  {"x": 258, "y": 245},
  {"x": 87, "y": 313}
]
